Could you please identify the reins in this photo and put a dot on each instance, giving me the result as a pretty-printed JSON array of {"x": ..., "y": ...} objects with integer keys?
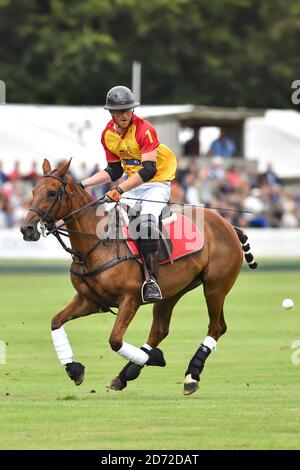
[{"x": 201, "y": 206}]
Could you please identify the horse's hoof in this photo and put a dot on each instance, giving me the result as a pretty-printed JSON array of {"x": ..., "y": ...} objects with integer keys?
[
  {"x": 79, "y": 379},
  {"x": 116, "y": 385},
  {"x": 190, "y": 385},
  {"x": 130, "y": 372},
  {"x": 75, "y": 371}
]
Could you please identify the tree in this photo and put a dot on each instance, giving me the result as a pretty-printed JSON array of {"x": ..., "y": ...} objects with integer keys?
[{"x": 226, "y": 53}]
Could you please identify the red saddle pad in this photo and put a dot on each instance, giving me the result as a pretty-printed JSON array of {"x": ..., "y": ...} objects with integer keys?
[{"x": 185, "y": 236}]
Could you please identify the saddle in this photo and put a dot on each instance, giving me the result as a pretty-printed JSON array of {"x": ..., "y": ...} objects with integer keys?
[{"x": 179, "y": 237}]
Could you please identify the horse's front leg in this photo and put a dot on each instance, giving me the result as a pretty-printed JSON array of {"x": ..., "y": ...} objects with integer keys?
[
  {"x": 162, "y": 312},
  {"x": 137, "y": 356},
  {"x": 79, "y": 307}
]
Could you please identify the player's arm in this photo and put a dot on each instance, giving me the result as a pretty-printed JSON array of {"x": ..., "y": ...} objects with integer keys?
[
  {"x": 112, "y": 172},
  {"x": 144, "y": 174}
]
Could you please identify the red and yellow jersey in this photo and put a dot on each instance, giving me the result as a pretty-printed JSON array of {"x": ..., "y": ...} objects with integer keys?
[{"x": 140, "y": 138}]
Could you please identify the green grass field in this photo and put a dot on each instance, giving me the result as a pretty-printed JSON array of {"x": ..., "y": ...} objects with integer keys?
[{"x": 249, "y": 396}]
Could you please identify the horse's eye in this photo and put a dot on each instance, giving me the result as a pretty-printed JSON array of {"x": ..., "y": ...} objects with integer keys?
[{"x": 51, "y": 194}]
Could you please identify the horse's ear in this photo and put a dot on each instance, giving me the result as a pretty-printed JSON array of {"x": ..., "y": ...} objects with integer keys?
[
  {"x": 62, "y": 171},
  {"x": 46, "y": 166}
]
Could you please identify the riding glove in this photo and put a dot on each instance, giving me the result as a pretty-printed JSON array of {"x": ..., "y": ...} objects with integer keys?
[{"x": 115, "y": 194}]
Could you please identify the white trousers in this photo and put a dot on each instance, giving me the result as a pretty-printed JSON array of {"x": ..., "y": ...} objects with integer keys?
[{"x": 158, "y": 191}]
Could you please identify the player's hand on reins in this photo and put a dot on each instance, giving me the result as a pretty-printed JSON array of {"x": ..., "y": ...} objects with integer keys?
[
  {"x": 114, "y": 194},
  {"x": 82, "y": 185}
]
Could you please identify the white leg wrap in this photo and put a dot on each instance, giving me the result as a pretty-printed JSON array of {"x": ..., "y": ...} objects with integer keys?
[
  {"x": 210, "y": 343},
  {"x": 62, "y": 346},
  {"x": 133, "y": 354},
  {"x": 146, "y": 346}
]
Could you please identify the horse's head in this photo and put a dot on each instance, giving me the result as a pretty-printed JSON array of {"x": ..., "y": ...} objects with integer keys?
[{"x": 50, "y": 202}]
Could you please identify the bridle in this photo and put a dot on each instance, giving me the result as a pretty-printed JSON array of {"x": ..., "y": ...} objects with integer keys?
[
  {"x": 50, "y": 220},
  {"x": 49, "y": 224}
]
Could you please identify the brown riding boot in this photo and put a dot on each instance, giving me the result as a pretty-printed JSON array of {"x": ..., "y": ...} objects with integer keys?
[{"x": 150, "y": 289}]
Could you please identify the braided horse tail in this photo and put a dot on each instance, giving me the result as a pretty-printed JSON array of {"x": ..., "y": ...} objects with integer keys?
[{"x": 246, "y": 248}]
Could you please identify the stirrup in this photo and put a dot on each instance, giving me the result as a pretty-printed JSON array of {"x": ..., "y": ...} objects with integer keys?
[{"x": 149, "y": 282}]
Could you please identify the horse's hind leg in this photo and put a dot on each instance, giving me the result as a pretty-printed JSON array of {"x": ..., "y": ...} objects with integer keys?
[
  {"x": 215, "y": 292},
  {"x": 162, "y": 312},
  {"x": 79, "y": 307}
]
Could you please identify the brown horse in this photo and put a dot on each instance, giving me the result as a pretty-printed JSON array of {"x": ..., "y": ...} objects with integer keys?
[{"x": 105, "y": 275}]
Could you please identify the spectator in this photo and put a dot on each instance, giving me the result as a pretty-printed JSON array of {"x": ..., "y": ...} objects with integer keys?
[
  {"x": 2, "y": 214},
  {"x": 234, "y": 178},
  {"x": 33, "y": 174},
  {"x": 3, "y": 176},
  {"x": 217, "y": 169},
  {"x": 192, "y": 146},
  {"x": 252, "y": 176},
  {"x": 269, "y": 177},
  {"x": 181, "y": 173},
  {"x": 95, "y": 169},
  {"x": 191, "y": 194},
  {"x": 224, "y": 146},
  {"x": 9, "y": 211},
  {"x": 15, "y": 174},
  {"x": 177, "y": 192},
  {"x": 83, "y": 171},
  {"x": 255, "y": 204},
  {"x": 297, "y": 200}
]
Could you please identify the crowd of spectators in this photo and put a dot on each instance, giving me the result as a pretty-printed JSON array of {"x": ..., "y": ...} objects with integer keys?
[
  {"x": 211, "y": 181},
  {"x": 242, "y": 188}
]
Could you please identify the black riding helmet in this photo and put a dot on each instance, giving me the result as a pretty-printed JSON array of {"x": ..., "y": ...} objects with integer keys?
[{"x": 120, "y": 97}]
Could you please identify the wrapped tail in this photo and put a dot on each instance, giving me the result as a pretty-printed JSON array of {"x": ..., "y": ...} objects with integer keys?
[{"x": 246, "y": 248}]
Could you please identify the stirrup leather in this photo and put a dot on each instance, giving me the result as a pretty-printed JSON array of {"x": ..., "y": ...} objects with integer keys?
[{"x": 149, "y": 282}]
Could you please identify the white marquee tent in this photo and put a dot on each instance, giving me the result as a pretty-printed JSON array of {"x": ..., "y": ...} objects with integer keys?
[
  {"x": 275, "y": 138},
  {"x": 30, "y": 133}
]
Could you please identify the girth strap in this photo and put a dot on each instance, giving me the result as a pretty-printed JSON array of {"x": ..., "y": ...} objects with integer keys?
[
  {"x": 108, "y": 265},
  {"x": 104, "y": 307}
]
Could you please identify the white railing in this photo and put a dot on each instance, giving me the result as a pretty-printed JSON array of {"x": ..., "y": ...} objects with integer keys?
[
  {"x": 12, "y": 246},
  {"x": 265, "y": 243}
]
